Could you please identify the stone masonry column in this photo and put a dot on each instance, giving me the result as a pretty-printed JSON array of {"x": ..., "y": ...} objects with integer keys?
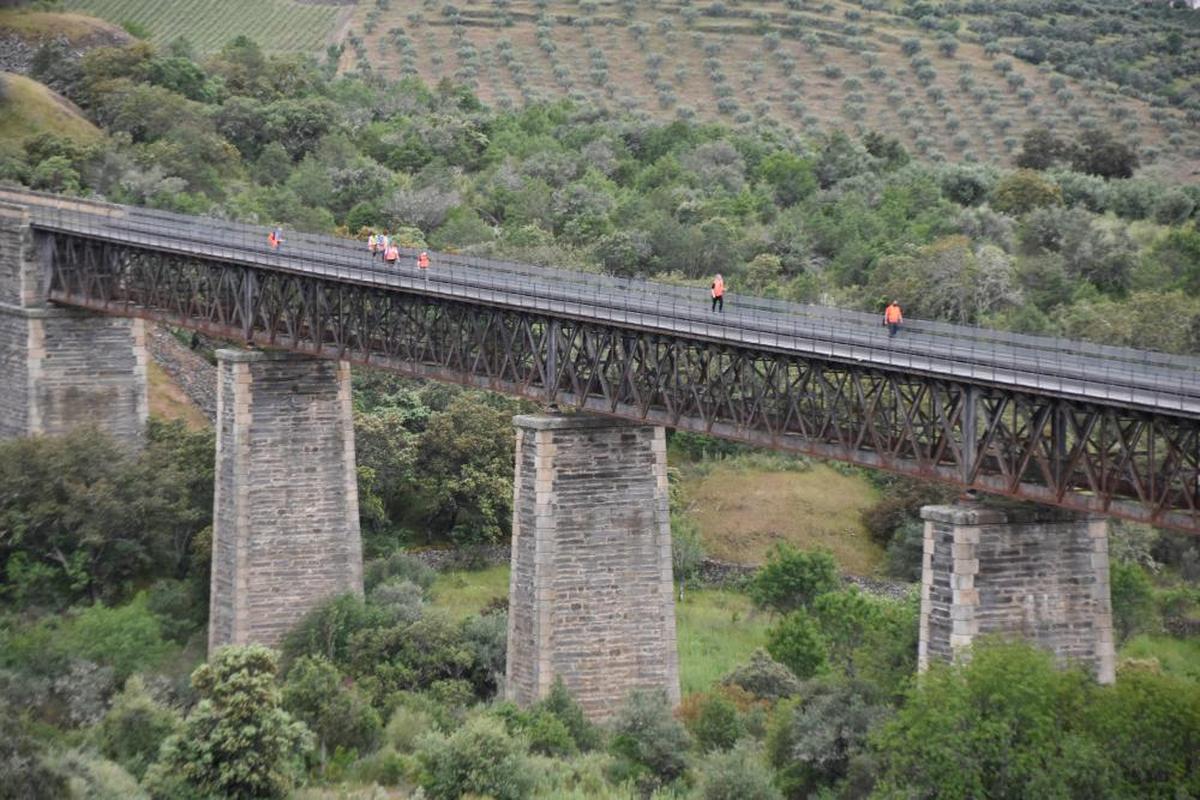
[
  {"x": 590, "y": 597},
  {"x": 1032, "y": 572},
  {"x": 62, "y": 367},
  {"x": 285, "y": 516}
]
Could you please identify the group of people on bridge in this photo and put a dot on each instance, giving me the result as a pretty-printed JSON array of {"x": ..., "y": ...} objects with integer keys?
[
  {"x": 385, "y": 247},
  {"x": 892, "y": 318}
]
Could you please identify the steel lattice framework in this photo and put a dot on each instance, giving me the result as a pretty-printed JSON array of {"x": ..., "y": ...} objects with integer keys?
[{"x": 1094, "y": 457}]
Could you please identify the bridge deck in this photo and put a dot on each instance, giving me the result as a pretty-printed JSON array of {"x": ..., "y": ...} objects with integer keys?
[{"x": 1042, "y": 365}]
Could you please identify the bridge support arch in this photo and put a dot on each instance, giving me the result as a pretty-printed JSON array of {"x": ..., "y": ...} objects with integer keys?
[
  {"x": 1031, "y": 572},
  {"x": 285, "y": 517},
  {"x": 591, "y": 593},
  {"x": 62, "y": 367}
]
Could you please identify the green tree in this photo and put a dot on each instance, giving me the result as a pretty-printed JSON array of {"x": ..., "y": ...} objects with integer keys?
[
  {"x": 479, "y": 759},
  {"x": 237, "y": 742},
  {"x": 718, "y": 727},
  {"x": 651, "y": 744},
  {"x": 1040, "y": 149},
  {"x": 792, "y": 578},
  {"x": 134, "y": 728},
  {"x": 1023, "y": 191},
  {"x": 316, "y": 694},
  {"x": 464, "y": 470},
  {"x": 1132, "y": 600},
  {"x": 846, "y": 620},
  {"x": 1098, "y": 153},
  {"x": 1004, "y": 725},
  {"x": 796, "y": 642},
  {"x": 737, "y": 774}
]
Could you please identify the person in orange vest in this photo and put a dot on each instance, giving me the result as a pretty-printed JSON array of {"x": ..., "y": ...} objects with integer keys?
[
  {"x": 275, "y": 238},
  {"x": 391, "y": 254},
  {"x": 372, "y": 241},
  {"x": 718, "y": 294},
  {"x": 423, "y": 262},
  {"x": 892, "y": 318}
]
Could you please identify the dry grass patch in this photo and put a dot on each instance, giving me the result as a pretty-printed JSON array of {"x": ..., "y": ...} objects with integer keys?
[
  {"x": 36, "y": 25},
  {"x": 168, "y": 401},
  {"x": 28, "y": 108},
  {"x": 742, "y": 513}
]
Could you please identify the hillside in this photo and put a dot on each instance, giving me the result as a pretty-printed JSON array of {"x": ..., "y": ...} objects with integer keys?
[
  {"x": 79, "y": 29},
  {"x": 27, "y": 109},
  {"x": 840, "y": 64},
  {"x": 280, "y": 26}
]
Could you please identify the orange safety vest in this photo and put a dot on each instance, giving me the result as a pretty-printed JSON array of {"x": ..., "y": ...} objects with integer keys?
[
  {"x": 392, "y": 253},
  {"x": 271, "y": 238},
  {"x": 892, "y": 315},
  {"x": 423, "y": 261},
  {"x": 718, "y": 287}
]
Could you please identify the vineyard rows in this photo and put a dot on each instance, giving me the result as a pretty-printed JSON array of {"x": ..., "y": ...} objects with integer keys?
[{"x": 277, "y": 25}]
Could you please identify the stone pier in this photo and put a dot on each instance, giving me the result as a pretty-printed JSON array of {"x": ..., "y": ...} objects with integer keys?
[
  {"x": 62, "y": 367},
  {"x": 590, "y": 597},
  {"x": 1040, "y": 574},
  {"x": 285, "y": 518}
]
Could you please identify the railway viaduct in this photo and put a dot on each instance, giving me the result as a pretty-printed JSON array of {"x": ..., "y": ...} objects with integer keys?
[{"x": 1083, "y": 431}]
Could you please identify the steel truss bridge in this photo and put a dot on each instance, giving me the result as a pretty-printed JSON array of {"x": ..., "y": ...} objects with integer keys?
[{"x": 1087, "y": 427}]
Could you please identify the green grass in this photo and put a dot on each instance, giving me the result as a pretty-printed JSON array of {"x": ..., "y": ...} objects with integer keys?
[
  {"x": 277, "y": 25},
  {"x": 35, "y": 25},
  {"x": 1177, "y": 657},
  {"x": 461, "y": 593},
  {"x": 716, "y": 629},
  {"x": 28, "y": 108}
]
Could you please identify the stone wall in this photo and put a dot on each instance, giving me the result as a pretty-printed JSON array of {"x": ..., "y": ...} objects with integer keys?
[
  {"x": 1037, "y": 573},
  {"x": 590, "y": 596},
  {"x": 62, "y": 367},
  {"x": 285, "y": 521}
]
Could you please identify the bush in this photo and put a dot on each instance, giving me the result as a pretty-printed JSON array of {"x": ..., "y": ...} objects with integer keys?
[
  {"x": 1132, "y": 600},
  {"x": 796, "y": 642},
  {"x": 718, "y": 727},
  {"x": 647, "y": 739},
  {"x": 1023, "y": 191},
  {"x": 562, "y": 705},
  {"x": 406, "y": 726},
  {"x": 317, "y": 695},
  {"x": 399, "y": 601},
  {"x": 736, "y": 775},
  {"x": 481, "y": 758},
  {"x": 905, "y": 552},
  {"x": 813, "y": 741},
  {"x": 401, "y": 566},
  {"x": 134, "y": 728},
  {"x": 486, "y": 638},
  {"x": 25, "y": 772},
  {"x": 237, "y": 742},
  {"x": 763, "y": 677},
  {"x": 792, "y": 579},
  {"x": 326, "y": 630}
]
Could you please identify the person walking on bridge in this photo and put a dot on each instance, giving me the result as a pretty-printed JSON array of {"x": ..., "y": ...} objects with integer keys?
[
  {"x": 391, "y": 254},
  {"x": 892, "y": 318},
  {"x": 718, "y": 294},
  {"x": 372, "y": 244},
  {"x": 423, "y": 263},
  {"x": 275, "y": 238}
]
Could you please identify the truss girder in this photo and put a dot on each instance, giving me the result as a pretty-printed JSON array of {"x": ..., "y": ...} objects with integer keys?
[{"x": 1090, "y": 457}]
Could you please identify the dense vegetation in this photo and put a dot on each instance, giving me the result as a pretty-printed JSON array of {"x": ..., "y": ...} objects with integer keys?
[{"x": 104, "y": 553}]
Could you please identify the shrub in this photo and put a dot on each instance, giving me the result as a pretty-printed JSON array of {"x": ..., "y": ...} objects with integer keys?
[
  {"x": 326, "y": 629},
  {"x": 738, "y": 774},
  {"x": 406, "y": 726},
  {"x": 651, "y": 744},
  {"x": 94, "y": 778},
  {"x": 1024, "y": 190},
  {"x": 562, "y": 705},
  {"x": 486, "y": 639},
  {"x": 796, "y": 642},
  {"x": 134, "y": 728},
  {"x": 237, "y": 742},
  {"x": 481, "y": 758},
  {"x": 25, "y": 771},
  {"x": 1132, "y": 600},
  {"x": 718, "y": 726},
  {"x": 317, "y": 695},
  {"x": 399, "y": 600},
  {"x": 792, "y": 578},
  {"x": 813, "y": 741},
  {"x": 763, "y": 677}
]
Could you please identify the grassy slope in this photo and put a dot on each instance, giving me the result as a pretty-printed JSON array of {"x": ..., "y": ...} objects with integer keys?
[
  {"x": 510, "y": 67},
  {"x": 168, "y": 401},
  {"x": 277, "y": 25},
  {"x": 743, "y": 511},
  {"x": 29, "y": 108},
  {"x": 716, "y": 629},
  {"x": 34, "y": 25}
]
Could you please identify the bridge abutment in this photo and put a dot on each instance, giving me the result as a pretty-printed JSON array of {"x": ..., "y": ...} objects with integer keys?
[
  {"x": 285, "y": 519},
  {"x": 62, "y": 367},
  {"x": 591, "y": 593},
  {"x": 1035, "y": 573}
]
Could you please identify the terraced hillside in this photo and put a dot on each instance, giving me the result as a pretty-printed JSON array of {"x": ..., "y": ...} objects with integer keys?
[
  {"x": 277, "y": 25},
  {"x": 816, "y": 66}
]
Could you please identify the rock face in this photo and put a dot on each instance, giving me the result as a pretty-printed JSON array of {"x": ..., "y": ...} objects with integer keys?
[
  {"x": 590, "y": 596},
  {"x": 285, "y": 521},
  {"x": 62, "y": 367},
  {"x": 1040, "y": 574}
]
